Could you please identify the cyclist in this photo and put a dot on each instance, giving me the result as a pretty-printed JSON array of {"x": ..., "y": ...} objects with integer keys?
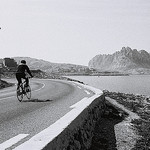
[{"x": 22, "y": 68}]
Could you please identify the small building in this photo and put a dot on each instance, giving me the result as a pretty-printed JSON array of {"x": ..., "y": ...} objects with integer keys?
[
  {"x": 1, "y": 66},
  {"x": 1, "y": 63}
]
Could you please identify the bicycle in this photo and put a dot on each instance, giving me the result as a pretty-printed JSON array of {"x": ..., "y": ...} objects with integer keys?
[{"x": 22, "y": 90}]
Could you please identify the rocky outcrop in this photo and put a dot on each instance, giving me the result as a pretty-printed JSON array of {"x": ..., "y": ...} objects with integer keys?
[{"x": 127, "y": 60}]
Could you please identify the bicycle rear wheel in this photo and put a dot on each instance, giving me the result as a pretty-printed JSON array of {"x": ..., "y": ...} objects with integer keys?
[
  {"x": 28, "y": 92},
  {"x": 20, "y": 94}
]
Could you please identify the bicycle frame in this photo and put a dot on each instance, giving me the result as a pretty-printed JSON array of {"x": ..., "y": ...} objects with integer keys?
[{"x": 23, "y": 90}]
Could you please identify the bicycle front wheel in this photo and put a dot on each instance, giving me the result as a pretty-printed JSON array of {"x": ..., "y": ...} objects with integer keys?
[
  {"x": 28, "y": 92},
  {"x": 20, "y": 94}
]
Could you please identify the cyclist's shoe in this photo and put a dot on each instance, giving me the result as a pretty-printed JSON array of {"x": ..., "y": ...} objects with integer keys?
[
  {"x": 19, "y": 92},
  {"x": 27, "y": 90},
  {"x": 25, "y": 85},
  {"x": 23, "y": 92}
]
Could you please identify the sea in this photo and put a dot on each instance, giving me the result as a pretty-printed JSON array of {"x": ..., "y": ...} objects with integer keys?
[{"x": 132, "y": 84}]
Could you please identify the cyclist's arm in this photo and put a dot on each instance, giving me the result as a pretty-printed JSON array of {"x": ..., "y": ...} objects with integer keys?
[{"x": 28, "y": 71}]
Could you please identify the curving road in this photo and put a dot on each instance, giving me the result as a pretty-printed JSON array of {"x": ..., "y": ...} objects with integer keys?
[{"x": 51, "y": 99}]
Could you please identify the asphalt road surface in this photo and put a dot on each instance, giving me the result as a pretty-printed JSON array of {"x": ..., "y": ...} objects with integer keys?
[{"x": 51, "y": 99}]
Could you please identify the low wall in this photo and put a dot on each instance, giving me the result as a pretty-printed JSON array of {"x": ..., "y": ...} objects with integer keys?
[
  {"x": 78, "y": 135},
  {"x": 75, "y": 130}
]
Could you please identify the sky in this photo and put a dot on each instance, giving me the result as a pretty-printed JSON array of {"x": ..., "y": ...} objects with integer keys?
[{"x": 72, "y": 31}]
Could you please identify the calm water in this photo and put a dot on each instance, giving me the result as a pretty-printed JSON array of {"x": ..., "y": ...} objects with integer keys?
[{"x": 136, "y": 84}]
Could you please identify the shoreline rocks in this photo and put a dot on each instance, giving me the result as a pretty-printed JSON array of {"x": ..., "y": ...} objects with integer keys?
[{"x": 140, "y": 104}]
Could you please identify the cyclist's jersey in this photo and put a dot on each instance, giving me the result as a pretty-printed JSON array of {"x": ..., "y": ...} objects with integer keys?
[{"x": 22, "y": 68}]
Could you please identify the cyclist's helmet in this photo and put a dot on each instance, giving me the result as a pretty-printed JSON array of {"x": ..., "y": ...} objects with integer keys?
[{"x": 23, "y": 61}]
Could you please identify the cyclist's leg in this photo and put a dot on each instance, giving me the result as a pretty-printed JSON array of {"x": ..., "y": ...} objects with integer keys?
[
  {"x": 26, "y": 79},
  {"x": 18, "y": 77}
]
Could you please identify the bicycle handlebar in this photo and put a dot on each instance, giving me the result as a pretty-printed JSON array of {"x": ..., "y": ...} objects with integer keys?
[{"x": 29, "y": 77}]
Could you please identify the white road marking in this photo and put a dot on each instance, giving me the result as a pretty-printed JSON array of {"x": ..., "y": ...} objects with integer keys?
[
  {"x": 7, "y": 97},
  {"x": 93, "y": 89},
  {"x": 78, "y": 103},
  {"x": 41, "y": 87},
  {"x": 12, "y": 141},
  {"x": 10, "y": 93},
  {"x": 79, "y": 87},
  {"x": 73, "y": 83},
  {"x": 87, "y": 92},
  {"x": 13, "y": 92},
  {"x": 6, "y": 90}
]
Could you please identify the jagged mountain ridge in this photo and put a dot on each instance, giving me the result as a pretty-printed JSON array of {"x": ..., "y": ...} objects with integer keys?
[
  {"x": 50, "y": 67},
  {"x": 126, "y": 60}
]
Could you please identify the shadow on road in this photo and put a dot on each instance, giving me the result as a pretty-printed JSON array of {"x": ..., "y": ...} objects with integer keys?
[
  {"x": 104, "y": 136},
  {"x": 37, "y": 100}
]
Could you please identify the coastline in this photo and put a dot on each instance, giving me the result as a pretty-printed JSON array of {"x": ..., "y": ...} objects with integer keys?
[{"x": 136, "y": 84}]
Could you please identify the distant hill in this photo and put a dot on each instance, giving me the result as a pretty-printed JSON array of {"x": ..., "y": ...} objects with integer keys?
[
  {"x": 56, "y": 68},
  {"x": 126, "y": 60}
]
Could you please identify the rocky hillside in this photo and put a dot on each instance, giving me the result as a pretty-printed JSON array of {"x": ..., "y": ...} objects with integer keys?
[
  {"x": 55, "y": 68},
  {"x": 126, "y": 60}
]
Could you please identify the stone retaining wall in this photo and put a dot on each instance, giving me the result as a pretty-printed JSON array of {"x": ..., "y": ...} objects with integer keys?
[{"x": 78, "y": 135}]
